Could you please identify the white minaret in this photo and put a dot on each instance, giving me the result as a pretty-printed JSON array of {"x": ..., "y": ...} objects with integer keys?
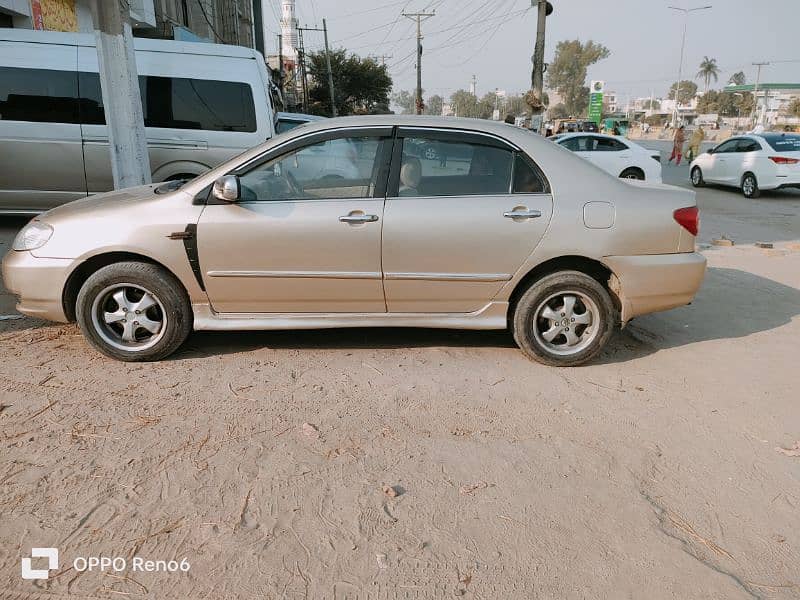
[{"x": 289, "y": 32}]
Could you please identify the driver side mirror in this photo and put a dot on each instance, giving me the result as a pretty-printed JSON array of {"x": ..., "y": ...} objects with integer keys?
[{"x": 227, "y": 189}]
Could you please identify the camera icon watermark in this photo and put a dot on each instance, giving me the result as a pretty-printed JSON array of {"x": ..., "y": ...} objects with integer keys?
[{"x": 51, "y": 554}]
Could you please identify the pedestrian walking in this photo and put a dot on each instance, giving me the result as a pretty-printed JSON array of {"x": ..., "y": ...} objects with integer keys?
[
  {"x": 694, "y": 143},
  {"x": 677, "y": 145}
]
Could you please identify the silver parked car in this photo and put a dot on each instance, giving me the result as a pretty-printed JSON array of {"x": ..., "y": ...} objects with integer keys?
[
  {"x": 345, "y": 223},
  {"x": 202, "y": 103}
]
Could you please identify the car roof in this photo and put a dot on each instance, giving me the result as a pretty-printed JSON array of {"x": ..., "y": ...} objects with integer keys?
[
  {"x": 290, "y": 116},
  {"x": 504, "y": 130},
  {"x": 572, "y": 134}
]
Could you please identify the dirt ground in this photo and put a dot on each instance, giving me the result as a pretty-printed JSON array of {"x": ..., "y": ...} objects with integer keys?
[{"x": 663, "y": 470}]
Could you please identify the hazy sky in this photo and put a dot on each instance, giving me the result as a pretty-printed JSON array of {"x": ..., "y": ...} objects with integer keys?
[{"x": 494, "y": 39}]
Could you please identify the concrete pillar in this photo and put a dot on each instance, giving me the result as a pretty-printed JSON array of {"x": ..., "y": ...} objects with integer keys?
[{"x": 119, "y": 82}]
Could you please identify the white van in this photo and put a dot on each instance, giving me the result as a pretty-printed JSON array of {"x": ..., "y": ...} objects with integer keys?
[{"x": 202, "y": 103}]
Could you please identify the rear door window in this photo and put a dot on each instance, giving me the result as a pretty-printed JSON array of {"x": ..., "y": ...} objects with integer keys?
[
  {"x": 432, "y": 167},
  {"x": 608, "y": 145},
  {"x": 179, "y": 103},
  {"x": 746, "y": 145}
]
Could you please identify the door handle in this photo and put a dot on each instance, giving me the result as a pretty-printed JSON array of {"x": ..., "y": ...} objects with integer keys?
[
  {"x": 522, "y": 214},
  {"x": 358, "y": 218}
]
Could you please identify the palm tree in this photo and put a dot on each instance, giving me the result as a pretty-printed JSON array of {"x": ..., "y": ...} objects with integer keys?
[
  {"x": 708, "y": 69},
  {"x": 737, "y": 78}
]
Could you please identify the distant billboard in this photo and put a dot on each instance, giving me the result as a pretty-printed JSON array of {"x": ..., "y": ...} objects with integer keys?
[{"x": 596, "y": 101}]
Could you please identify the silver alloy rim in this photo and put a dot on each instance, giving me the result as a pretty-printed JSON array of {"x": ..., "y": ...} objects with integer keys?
[
  {"x": 631, "y": 176},
  {"x": 566, "y": 322},
  {"x": 696, "y": 175},
  {"x": 748, "y": 185},
  {"x": 129, "y": 317}
]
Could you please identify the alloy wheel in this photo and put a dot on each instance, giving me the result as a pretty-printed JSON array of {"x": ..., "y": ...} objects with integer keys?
[
  {"x": 128, "y": 317},
  {"x": 566, "y": 322}
]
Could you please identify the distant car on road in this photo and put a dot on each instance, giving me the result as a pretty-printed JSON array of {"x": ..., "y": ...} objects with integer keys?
[
  {"x": 337, "y": 224},
  {"x": 285, "y": 121},
  {"x": 617, "y": 155},
  {"x": 752, "y": 163}
]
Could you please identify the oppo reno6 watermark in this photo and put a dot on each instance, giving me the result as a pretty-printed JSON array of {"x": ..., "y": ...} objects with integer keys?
[{"x": 101, "y": 563}]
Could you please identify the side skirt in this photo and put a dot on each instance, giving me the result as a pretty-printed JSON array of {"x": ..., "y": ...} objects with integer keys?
[{"x": 491, "y": 316}]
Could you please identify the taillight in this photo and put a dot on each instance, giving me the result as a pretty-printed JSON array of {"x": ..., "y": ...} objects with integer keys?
[
  {"x": 784, "y": 160},
  {"x": 688, "y": 218}
]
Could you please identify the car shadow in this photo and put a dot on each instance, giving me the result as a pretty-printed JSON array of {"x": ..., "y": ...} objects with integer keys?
[
  {"x": 731, "y": 304},
  {"x": 716, "y": 313}
]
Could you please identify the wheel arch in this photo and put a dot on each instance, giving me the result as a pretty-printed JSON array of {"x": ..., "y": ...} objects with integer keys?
[
  {"x": 589, "y": 266},
  {"x": 93, "y": 264},
  {"x": 638, "y": 170}
]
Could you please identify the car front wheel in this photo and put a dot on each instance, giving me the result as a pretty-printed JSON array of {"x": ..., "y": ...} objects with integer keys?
[
  {"x": 750, "y": 186},
  {"x": 134, "y": 311},
  {"x": 564, "y": 319},
  {"x": 632, "y": 173}
]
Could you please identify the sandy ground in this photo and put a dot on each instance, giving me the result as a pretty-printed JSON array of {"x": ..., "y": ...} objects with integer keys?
[{"x": 656, "y": 472}]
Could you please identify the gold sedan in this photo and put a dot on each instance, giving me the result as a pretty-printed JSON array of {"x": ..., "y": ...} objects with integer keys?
[{"x": 368, "y": 222}]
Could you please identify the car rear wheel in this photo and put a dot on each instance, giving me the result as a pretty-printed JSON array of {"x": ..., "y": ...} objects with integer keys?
[
  {"x": 632, "y": 173},
  {"x": 750, "y": 186},
  {"x": 134, "y": 311},
  {"x": 564, "y": 319},
  {"x": 697, "y": 177}
]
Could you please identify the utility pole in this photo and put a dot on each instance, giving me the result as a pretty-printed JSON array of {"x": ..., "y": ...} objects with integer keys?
[
  {"x": 686, "y": 12},
  {"x": 119, "y": 83},
  {"x": 754, "y": 116},
  {"x": 535, "y": 97},
  {"x": 473, "y": 86},
  {"x": 419, "y": 18},
  {"x": 327, "y": 62},
  {"x": 280, "y": 70},
  {"x": 302, "y": 57}
]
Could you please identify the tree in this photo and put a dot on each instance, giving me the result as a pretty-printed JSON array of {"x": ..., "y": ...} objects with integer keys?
[
  {"x": 738, "y": 78},
  {"x": 361, "y": 84},
  {"x": 559, "y": 111},
  {"x": 651, "y": 105},
  {"x": 433, "y": 105},
  {"x": 793, "y": 109},
  {"x": 688, "y": 91},
  {"x": 464, "y": 103},
  {"x": 708, "y": 69},
  {"x": 567, "y": 73},
  {"x": 709, "y": 102},
  {"x": 405, "y": 100}
]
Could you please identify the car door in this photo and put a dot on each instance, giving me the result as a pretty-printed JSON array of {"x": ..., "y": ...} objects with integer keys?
[
  {"x": 40, "y": 139},
  {"x": 611, "y": 154},
  {"x": 458, "y": 226},
  {"x": 718, "y": 169},
  {"x": 305, "y": 236},
  {"x": 746, "y": 159}
]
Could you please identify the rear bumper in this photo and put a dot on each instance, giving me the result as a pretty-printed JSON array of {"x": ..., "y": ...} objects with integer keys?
[
  {"x": 38, "y": 283},
  {"x": 651, "y": 283}
]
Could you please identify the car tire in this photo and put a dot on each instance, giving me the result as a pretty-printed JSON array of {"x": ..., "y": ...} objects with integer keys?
[
  {"x": 750, "y": 186},
  {"x": 697, "y": 177},
  {"x": 544, "y": 316},
  {"x": 107, "y": 306},
  {"x": 430, "y": 153},
  {"x": 632, "y": 173}
]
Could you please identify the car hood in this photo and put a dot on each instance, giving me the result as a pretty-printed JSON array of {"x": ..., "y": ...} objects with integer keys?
[{"x": 108, "y": 201}]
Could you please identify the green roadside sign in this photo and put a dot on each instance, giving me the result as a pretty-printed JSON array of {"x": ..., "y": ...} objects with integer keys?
[{"x": 596, "y": 107}]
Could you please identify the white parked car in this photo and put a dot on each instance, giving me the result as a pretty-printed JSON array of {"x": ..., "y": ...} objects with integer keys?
[
  {"x": 616, "y": 155},
  {"x": 752, "y": 163}
]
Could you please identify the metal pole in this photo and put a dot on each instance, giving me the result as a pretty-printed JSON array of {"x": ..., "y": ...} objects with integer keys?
[
  {"x": 328, "y": 63},
  {"x": 119, "y": 83},
  {"x": 302, "y": 57},
  {"x": 686, "y": 12},
  {"x": 754, "y": 115}
]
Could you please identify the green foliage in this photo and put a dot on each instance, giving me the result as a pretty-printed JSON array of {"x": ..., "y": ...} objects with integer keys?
[
  {"x": 688, "y": 91},
  {"x": 567, "y": 73},
  {"x": 559, "y": 111},
  {"x": 361, "y": 84},
  {"x": 726, "y": 104},
  {"x": 793, "y": 109},
  {"x": 433, "y": 105},
  {"x": 652, "y": 105},
  {"x": 406, "y": 101}
]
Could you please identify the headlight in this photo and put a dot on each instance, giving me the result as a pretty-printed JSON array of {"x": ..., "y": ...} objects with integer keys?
[{"x": 34, "y": 235}]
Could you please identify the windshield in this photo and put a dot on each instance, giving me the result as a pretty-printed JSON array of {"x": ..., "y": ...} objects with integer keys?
[{"x": 784, "y": 142}]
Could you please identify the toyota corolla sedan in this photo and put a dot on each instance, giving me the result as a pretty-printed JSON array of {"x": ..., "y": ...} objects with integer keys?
[
  {"x": 752, "y": 163},
  {"x": 509, "y": 231}
]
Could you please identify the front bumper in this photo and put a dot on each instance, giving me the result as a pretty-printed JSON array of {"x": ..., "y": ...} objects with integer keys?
[
  {"x": 651, "y": 283},
  {"x": 38, "y": 283}
]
